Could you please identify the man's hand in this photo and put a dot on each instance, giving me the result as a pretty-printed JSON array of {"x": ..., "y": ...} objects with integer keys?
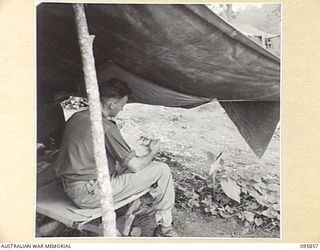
[
  {"x": 145, "y": 141},
  {"x": 137, "y": 163},
  {"x": 154, "y": 146}
]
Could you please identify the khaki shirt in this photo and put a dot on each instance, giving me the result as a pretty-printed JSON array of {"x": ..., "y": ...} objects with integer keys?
[{"x": 76, "y": 160}]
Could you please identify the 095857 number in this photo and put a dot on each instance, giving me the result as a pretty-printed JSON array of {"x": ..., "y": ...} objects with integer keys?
[{"x": 309, "y": 246}]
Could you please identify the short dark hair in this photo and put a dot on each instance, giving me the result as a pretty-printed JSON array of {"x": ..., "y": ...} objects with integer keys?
[{"x": 113, "y": 88}]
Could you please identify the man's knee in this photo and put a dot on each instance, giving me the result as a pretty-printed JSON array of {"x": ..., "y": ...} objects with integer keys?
[{"x": 165, "y": 169}]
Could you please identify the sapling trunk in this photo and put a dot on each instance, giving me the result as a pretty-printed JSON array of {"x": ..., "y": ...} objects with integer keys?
[{"x": 90, "y": 76}]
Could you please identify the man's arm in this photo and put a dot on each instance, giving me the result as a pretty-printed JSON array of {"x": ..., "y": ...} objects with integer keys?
[{"x": 138, "y": 163}]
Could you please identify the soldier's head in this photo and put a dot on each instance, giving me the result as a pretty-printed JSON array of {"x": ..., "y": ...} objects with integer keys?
[{"x": 114, "y": 95}]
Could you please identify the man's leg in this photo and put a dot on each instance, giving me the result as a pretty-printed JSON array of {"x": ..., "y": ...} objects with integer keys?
[
  {"x": 129, "y": 184},
  {"x": 86, "y": 194}
]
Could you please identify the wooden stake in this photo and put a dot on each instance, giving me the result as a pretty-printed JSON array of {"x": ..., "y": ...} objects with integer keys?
[{"x": 105, "y": 189}]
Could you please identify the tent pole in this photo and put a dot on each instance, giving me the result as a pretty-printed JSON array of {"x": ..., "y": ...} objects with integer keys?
[{"x": 90, "y": 76}]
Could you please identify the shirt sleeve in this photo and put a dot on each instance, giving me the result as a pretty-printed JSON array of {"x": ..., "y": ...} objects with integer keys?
[{"x": 117, "y": 146}]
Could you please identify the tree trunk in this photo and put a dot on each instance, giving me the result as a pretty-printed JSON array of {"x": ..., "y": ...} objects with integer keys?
[{"x": 105, "y": 189}]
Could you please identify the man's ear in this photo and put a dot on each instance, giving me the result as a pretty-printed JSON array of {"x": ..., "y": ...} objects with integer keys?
[
  {"x": 107, "y": 105},
  {"x": 112, "y": 105}
]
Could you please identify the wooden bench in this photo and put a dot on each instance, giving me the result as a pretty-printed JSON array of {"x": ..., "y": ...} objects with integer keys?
[{"x": 53, "y": 202}]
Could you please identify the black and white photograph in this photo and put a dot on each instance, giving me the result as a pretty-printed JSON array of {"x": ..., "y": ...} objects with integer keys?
[{"x": 158, "y": 120}]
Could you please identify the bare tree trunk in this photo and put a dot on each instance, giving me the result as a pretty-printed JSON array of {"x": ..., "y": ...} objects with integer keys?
[{"x": 86, "y": 48}]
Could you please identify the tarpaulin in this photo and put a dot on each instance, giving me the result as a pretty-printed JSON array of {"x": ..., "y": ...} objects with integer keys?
[
  {"x": 147, "y": 92},
  {"x": 172, "y": 55}
]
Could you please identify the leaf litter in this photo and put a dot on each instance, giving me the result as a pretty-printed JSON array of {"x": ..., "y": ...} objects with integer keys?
[{"x": 248, "y": 199}]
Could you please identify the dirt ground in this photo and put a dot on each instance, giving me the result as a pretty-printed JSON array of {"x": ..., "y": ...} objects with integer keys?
[{"x": 188, "y": 134}]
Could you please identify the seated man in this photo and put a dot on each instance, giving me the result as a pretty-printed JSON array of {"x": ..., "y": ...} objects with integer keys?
[{"x": 129, "y": 173}]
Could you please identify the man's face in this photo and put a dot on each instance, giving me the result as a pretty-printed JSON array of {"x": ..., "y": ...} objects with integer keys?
[{"x": 117, "y": 105}]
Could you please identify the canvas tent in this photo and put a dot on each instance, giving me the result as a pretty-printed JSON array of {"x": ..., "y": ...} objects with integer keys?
[{"x": 172, "y": 55}]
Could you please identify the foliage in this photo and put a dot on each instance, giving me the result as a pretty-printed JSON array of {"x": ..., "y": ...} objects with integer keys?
[
  {"x": 246, "y": 194},
  {"x": 225, "y": 11},
  {"x": 265, "y": 17}
]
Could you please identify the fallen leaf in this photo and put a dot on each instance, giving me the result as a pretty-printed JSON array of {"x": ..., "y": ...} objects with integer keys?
[
  {"x": 249, "y": 216},
  {"x": 240, "y": 216},
  {"x": 270, "y": 213},
  {"x": 195, "y": 195},
  {"x": 272, "y": 199},
  {"x": 231, "y": 189},
  {"x": 207, "y": 202},
  {"x": 259, "y": 198},
  {"x": 196, "y": 203},
  {"x": 225, "y": 215},
  {"x": 213, "y": 209},
  {"x": 259, "y": 186},
  {"x": 188, "y": 194},
  {"x": 228, "y": 209},
  {"x": 274, "y": 187},
  {"x": 276, "y": 207},
  {"x": 181, "y": 188},
  {"x": 244, "y": 190},
  {"x": 258, "y": 221},
  {"x": 254, "y": 206}
]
